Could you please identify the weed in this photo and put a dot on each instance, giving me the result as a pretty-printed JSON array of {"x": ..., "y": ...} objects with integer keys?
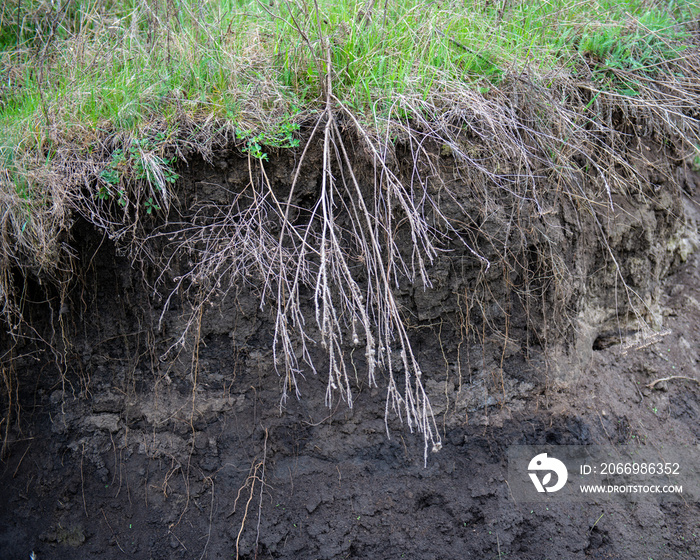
[
  {"x": 112, "y": 176},
  {"x": 283, "y": 137},
  {"x": 150, "y": 205},
  {"x": 696, "y": 160},
  {"x": 140, "y": 163},
  {"x": 252, "y": 144}
]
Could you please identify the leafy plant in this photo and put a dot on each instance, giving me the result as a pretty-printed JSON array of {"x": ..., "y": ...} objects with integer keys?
[
  {"x": 600, "y": 43},
  {"x": 696, "y": 160},
  {"x": 150, "y": 205},
  {"x": 111, "y": 176},
  {"x": 139, "y": 164},
  {"x": 252, "y": 144},
  {"x": 283, "y": 137}
]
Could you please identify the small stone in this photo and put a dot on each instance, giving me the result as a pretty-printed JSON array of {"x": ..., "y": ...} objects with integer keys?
[
  {"x": 200, "y": 440},
  {"x": 107, "y": 422}
]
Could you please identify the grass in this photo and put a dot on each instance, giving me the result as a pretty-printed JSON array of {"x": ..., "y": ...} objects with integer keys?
[
  {"x": 100, "y": 100},
  {"x": 116, "y": 66}
]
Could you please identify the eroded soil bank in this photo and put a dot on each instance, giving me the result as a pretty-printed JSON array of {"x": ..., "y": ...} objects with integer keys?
[{"x": 125, "y": 448}]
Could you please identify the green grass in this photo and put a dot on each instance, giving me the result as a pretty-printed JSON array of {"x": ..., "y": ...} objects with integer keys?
[{"x": 117, "y": 66}]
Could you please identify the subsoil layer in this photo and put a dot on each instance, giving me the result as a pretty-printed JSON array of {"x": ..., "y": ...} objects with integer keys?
[{"x": 144, "y": 463}]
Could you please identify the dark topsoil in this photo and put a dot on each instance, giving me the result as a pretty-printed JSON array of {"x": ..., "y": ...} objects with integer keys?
[{"x": 126, "y": 455}]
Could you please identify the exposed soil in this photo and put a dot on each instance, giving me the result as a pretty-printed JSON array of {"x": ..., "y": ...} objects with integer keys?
[{"x": 122, "y": 454}]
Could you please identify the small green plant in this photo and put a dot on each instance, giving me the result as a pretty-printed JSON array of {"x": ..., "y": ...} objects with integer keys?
[
  {"x": 150, "y": 167},
  {"x": 140, "y": 163},
  {"x": 600, "y": 43},
  {"x": 283, "y": 137},
  {"x": 103, "y": 193},
  {"x": 122, "y": 200},
  {"x": 150, "y": 205},
  {"x": 111, "y": 176},
  {"x": 695, "y": 165},
  {"x": 252, "y": 144}
]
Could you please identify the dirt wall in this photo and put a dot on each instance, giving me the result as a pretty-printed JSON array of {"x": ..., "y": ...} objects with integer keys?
[{"x": 122, "y": 442}]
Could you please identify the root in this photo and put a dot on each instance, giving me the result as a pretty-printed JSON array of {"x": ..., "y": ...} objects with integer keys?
[
  {"x": 257, "y": 474},
  {"x": 671, "y": 378}
]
